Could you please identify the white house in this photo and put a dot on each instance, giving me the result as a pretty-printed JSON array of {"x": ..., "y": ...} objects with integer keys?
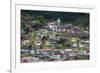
[
  {"x": 47, "y": 43},
  {"x": 25, "y": 42},
  {"x": 75, "y": 45},
  {"x": 51, "y": 24},
  {"x": 38, "y": 42}
]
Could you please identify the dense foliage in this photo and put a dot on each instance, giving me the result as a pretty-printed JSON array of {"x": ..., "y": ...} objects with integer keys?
[{"x": 80, "y": 19}]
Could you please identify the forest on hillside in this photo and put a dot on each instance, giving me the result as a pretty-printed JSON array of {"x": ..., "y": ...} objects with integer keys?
[{"x": 75, "y": 18}]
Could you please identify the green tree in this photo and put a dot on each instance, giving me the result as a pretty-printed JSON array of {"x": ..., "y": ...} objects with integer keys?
[{"x": 40, "y": 19}]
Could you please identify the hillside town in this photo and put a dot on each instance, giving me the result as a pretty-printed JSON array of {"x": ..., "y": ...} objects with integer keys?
[{"x": 53, "y": 41}]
